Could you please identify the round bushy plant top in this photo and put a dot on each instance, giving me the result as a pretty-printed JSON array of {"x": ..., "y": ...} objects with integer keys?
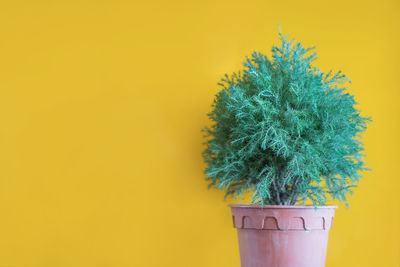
[{"x": 284, "y": 130}]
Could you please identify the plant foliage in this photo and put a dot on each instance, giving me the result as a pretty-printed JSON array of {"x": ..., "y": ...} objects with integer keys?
[{"x": 284, "y": 130}]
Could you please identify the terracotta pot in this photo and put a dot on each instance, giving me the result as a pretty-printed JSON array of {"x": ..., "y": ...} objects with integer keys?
[{"x": 282, "y": 236}]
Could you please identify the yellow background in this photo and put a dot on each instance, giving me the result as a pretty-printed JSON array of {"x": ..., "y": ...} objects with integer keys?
[{"x": 101, "y": 107}]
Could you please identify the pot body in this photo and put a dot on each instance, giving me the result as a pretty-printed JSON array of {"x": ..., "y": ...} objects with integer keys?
[{"x": 282, "y": 236}]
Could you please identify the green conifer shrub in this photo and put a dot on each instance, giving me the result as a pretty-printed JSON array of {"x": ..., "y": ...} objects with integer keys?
[{"x": 284, "y": 130}]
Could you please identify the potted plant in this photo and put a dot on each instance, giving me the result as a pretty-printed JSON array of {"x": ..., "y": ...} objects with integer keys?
[{"x": 290, "y": 134}]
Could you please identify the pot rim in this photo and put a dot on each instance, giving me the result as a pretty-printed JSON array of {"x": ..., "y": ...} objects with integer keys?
[{"x": 282, "y": 206}]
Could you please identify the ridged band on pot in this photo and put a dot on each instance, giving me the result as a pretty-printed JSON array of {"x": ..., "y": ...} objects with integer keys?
[{"x": 283, "y": 217}]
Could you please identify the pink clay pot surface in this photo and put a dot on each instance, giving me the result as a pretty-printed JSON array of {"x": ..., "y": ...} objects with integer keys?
[{"x": 282, "y": 236}]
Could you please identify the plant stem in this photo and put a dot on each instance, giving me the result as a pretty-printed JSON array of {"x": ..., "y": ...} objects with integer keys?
[
  {"x": 278, "y": 199},
  {"x": 293, "y": 199}
]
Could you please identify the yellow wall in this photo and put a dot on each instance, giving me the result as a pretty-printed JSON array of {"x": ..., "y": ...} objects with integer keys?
[{"x": 101, "y": 106}]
